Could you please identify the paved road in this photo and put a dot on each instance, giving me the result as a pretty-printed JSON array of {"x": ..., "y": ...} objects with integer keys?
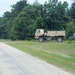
[{"x": 15, "y": 62}]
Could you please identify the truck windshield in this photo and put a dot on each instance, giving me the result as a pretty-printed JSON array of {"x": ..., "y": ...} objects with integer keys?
[{"x": 37, "y": 31}]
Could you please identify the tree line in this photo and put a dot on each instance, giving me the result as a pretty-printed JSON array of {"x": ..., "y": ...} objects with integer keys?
[{"x": 21, "y": 22}]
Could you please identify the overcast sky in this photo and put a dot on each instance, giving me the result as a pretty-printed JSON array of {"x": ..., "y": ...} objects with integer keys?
[{"x": 5, "y": 5}]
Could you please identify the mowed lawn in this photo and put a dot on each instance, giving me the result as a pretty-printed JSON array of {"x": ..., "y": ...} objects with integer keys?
[{"x": 61, "y": 54}]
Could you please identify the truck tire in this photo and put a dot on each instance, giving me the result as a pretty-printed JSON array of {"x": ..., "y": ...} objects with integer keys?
[
  {"x": 59, "y": 39},
  {"x": 41, "y": 39}
]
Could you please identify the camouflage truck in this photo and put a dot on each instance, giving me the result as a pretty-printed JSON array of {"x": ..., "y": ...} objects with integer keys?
[{"x": 42, "y": 35}]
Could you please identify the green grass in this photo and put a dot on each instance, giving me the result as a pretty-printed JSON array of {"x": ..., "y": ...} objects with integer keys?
[{"x": 58, "y": 54}]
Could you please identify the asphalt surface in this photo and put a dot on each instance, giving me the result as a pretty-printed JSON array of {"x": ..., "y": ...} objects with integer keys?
[{"x": 15, "y": 62}]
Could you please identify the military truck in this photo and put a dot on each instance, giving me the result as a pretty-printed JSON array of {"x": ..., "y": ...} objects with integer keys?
[{"x": 42, "y": 35}]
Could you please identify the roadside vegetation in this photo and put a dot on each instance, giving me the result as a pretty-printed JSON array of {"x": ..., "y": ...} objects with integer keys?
[
  {"x": 61, "y": 55},
  {"x": 21, "y": 22}
]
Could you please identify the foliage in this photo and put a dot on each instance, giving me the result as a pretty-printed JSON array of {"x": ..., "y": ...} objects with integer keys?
[
  {"x": 24, "y": 19},
  {"x": 72, "y": 10},
  {"x": 70, "y": 29}
]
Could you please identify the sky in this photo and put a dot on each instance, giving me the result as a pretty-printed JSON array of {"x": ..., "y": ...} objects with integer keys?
[{"x": 5, "y": 5}]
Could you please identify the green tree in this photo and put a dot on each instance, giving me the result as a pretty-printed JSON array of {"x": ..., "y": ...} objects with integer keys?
[
  {"x": 2, "y": 28},
  {"x": 16, "y": 9},
  {"x": 55, "y": 15},
  {"x": 3, "y": 24},
  {"x": 24, "y": 24},
  {"x": 72, "y": 10},
  {"x": 70, "y": 29}
]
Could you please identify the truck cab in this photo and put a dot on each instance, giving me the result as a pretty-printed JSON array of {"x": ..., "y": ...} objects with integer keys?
[{"x": 39, "y": 34}]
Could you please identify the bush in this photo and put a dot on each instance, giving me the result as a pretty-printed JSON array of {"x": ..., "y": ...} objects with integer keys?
[{"x": 70, "y": 29}]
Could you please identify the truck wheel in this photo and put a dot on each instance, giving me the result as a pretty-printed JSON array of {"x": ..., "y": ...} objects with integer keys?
[
  {"x": 59, "y": 39},
  {"x": 41, "y": 39}
]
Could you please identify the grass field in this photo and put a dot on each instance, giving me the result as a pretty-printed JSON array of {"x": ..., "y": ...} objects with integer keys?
[{"x": 61, "y": 55}]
